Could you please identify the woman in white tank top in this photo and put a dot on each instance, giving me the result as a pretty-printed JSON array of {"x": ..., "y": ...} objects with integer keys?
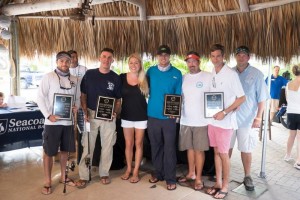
[{"x": 293, "y": 115}]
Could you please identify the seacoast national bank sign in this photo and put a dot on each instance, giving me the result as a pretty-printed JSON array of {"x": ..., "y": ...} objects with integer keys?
[
  {"x": 26, "y": 127},
  {"x": 15, "y": 125}
]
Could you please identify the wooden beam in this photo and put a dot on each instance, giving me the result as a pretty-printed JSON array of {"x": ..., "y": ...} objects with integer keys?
[
  {"x": 244, "y": 7},
  {"x": 45, "y": 5},
  {"x": 41, "y": 6},
  {"x": 161, "y": 17},
  {"x": 271, "y": 4}
]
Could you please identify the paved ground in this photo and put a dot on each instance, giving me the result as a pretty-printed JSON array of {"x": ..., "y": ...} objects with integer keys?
[{"x": 22, "y": 178}]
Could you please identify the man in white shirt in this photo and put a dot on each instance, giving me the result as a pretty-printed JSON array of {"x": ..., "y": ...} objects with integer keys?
[
  {"x": 193, "y": 135},
  {"x": 78, "y": 71},
  {"x": 225, "y": 81},
  {"x": 58, "y": 133}
]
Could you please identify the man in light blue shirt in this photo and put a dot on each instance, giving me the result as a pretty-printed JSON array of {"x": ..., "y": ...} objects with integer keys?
[{"x": 249, "y": 115}]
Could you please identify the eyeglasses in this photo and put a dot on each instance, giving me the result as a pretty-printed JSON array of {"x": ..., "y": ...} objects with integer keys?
[{"x": 64, "y": 88}]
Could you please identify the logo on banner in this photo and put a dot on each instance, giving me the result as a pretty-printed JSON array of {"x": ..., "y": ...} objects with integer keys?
[{"x": 3, "y": 126}]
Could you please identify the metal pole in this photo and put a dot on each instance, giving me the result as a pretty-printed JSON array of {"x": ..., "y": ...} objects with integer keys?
[{"x": 262, "y": 173}]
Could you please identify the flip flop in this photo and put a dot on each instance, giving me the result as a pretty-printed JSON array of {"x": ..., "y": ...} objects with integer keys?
[
  {"x": 183, "y": 179},
  {"x": 46, "y": 190},
  {"x": 153, "y": 179},
  {"x": 198, "y": 185},
  {"x": 69, "y": 182},
  {"x": 212, "y": 190},
  {"x": 171, "y": 187},
  {"x": 134, "y": 179},
  {"x": 105, "y": 180},
  {"x": 80, "y": 184},
  {"x": 220, "y": 193},
  {"x": 125, "y": 176}
]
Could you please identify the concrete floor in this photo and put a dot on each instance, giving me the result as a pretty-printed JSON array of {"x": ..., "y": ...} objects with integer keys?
[{"x": 21, "y": 177}]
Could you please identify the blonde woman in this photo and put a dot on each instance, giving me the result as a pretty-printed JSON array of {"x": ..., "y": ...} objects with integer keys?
[
  {"x": 134, "y": 114},
  {"x": 293, "y": 115}
]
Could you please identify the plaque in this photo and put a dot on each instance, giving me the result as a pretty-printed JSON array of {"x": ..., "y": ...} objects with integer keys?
[
  {"x": 213, "y": 103},
  {"x": 105, "y": 108},
  {"x": 172, "y": 105},
  {"x": 62, "y": 106}
]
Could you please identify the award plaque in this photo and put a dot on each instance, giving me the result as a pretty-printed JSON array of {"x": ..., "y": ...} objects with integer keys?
[
  {"x": 213, "y": 103},
  {"x": 105, "y": 108},
  {"x": 62, "y": 106},
  {"x": 172, "y": 105}
]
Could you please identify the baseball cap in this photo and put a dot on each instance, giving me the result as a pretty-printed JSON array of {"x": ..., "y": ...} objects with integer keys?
[
  {"x": 163, "y": 49},
  {"x": 192, "y": 54},
  {"x": 242, "y": 49},
  {"x": 63, "y": 54}
]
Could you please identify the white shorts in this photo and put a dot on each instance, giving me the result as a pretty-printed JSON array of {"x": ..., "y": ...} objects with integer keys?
[
  {"x": 134, "y": 124},
  {"x": 247, "y": 139}
]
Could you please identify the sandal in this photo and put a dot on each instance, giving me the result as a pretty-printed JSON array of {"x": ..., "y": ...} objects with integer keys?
[
  {"x": 220, "y": 192},
  {"x": 69, "y": 182},
  {"x": 134, "y": 179},
  {"x": 212, "y": 190},
  {"x": 153, "y": 179},
  {"x": 80, "y": 184},
  {"x": 198, "y": 185},
  {"x": 46, "y": 190},
  {"x": 125, "y": 176},
  {"x": 105, "y": 180},
  {"x": 171, "y": 186},
  {"x": 183, "y": 179}
]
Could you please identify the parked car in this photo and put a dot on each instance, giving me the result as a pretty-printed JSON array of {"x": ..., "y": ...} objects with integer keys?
[{"x": 29, "y": 78}]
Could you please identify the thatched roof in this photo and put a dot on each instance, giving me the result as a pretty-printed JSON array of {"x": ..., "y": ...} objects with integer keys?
[{"x": 183, "y": 25}]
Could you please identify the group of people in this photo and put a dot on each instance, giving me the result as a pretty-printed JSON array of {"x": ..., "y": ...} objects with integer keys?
[{"x": 139, "y": 100}]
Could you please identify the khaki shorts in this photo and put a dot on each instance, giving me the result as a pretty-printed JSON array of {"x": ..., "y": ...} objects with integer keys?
[
  {"x": 191, "y": 137},
  {"x": 274, "y": 104}
]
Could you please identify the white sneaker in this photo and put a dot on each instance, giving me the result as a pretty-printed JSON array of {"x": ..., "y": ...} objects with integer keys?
[
  {"x": 287, "y": 158},
  {"x": 297, "y": 165}
]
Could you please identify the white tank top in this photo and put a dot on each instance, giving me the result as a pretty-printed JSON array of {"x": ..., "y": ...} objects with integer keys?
[{"x": 293, "y": 101}]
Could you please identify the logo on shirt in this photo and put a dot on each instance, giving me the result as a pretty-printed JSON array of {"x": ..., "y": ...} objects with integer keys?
[
  {"x": 3, "y": 126},
  {"x": 175, "y": 77},
  {"x": 110, "y": 86},
  {"x": 199, "y": 84}
]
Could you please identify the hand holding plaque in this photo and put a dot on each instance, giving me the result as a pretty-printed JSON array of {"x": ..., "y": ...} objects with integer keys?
[
  {"x": 105, "y": 108},
  {"x": 62, "y": 106},
  {"x": 213, "y": 103},
  {"x": 172, "y": 105}
]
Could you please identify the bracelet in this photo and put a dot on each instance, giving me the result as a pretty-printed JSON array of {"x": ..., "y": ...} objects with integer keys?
[{"x": 257, "y": 118}]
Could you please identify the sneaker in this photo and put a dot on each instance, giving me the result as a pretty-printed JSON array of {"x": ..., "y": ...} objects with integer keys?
[
  {"x": 297, "y": 165},
  {"x": 287, "y": 158},
  {"x": 248, "y": 182}
]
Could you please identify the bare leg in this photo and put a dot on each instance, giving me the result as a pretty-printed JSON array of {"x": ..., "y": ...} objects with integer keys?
[
  {"x": 139, "y": 137},
  {"x": 224, "y": 157},
  {"x": 246, "y": 160},
  {"x": 63, "y": 163},
  {"x": 298, "y": 148},
  {"x": 191, "y": 162},
  {"x": 129, "y": 142},
  {"x": 290, "y": 142},
  {"x": 199, "y": 161},
  {"x": 219, "y": 167},
  {"x": 48, "y": 163},
  {"x": 272, "y": 114}
]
